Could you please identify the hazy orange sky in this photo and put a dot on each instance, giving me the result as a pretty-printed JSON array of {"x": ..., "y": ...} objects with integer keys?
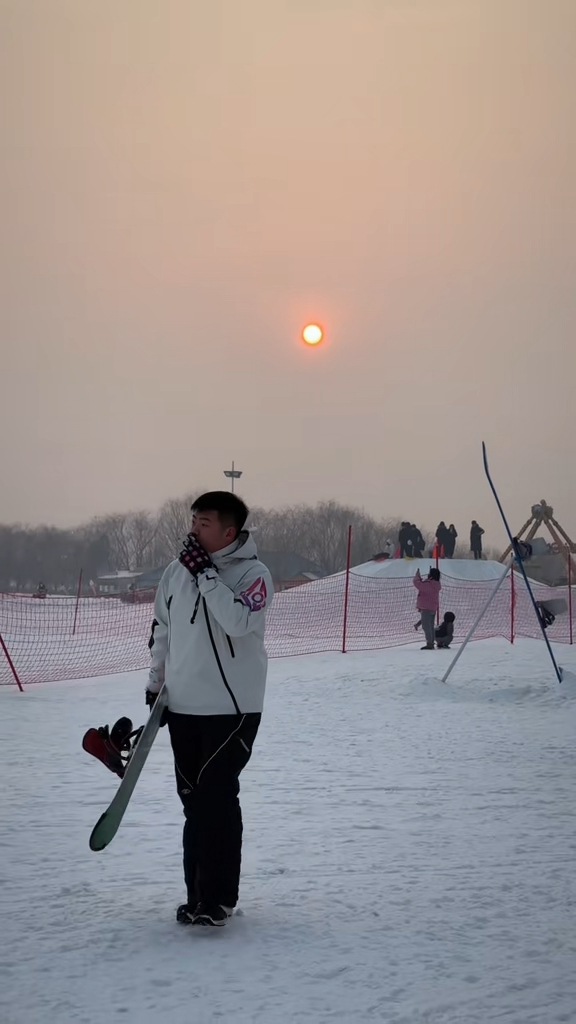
[{"x": 184, "y": 184}]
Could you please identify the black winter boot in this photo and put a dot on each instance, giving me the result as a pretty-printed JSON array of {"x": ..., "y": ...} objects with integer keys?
[
  {"x": 185, "y": 913},
  {"x": 211, "y": 914}
]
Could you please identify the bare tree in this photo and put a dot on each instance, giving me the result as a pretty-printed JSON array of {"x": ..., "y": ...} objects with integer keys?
[
  {"x": 279, "y": 529},
  {"x": 142, "y": 531},
  {"x": 28, "y": 555},
  {"x": 139, "y": 540},
  {"x": 173, "y": 523},
  {"x": 115, "y": 528},
  {"x": 130, "y": 537},
  {"x": 320, "y": 533}
]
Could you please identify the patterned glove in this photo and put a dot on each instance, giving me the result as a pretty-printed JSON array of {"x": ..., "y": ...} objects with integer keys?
[{"x": 194, "y": 557}]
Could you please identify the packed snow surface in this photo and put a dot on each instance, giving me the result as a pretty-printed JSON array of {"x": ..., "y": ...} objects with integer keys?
[
  {"x": 453, "y": 568},
  {"x": 409, "y": 856}
]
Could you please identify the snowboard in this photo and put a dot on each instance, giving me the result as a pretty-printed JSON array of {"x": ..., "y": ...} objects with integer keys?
[{"x": 108, "y": 824}]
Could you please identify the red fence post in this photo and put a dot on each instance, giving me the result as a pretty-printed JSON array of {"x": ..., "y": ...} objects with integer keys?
[
  {"x": 570, "y": 597},
  {"x": 347, "y": 590},
  {"x": 11, "y": 664},
  {"x": 77, "y": 601},
  {"x": 512, "y": 604}
]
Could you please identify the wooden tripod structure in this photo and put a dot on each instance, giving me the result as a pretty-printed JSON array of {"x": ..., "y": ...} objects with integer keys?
[{"x": 543, "y": 515}]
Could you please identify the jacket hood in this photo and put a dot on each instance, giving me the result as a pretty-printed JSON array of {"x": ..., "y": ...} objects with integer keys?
[{"x": 243, "y": 549}]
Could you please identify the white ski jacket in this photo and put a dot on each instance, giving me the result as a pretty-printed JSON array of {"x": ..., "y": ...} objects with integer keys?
[{"x": 207, "y": 639}]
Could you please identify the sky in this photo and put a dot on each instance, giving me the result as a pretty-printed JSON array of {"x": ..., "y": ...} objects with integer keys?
[{"x": 185, "y": 184}]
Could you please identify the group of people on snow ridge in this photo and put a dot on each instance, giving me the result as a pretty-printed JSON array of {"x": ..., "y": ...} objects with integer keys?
[
  {"x": 446, "y": 537},
  {"x": 411, "y": 543}
]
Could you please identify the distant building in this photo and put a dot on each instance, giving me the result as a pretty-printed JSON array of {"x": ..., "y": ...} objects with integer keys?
[
  {"x": 149, "y": 578},
  {"x": 288, "y": 569},
  {"x": 116, "y": 582}
]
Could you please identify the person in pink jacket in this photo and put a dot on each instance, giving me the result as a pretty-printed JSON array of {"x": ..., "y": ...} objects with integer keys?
[{"x": 428, "y": 603}]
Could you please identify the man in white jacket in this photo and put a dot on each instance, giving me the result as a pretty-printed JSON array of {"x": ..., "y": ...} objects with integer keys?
[{"x": 207, "y": 645}]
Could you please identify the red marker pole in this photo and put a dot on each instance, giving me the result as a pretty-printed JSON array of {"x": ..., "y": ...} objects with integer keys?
[
  {"x": 78, "y": 594},
  {"x": 11, "y": 664}
]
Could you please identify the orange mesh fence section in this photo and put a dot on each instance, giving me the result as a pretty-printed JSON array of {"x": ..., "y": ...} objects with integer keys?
[
  {"x": 110, "y": 637},
  {"x": 56, "y": 638}
]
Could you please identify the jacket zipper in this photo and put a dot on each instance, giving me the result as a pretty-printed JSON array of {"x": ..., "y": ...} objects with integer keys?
[
  {"x": 217, "y": 656},
  {"x": 232, "y": 651},
  {"x": 195, "y": 612},
  {"x": 168, "y": 604}
]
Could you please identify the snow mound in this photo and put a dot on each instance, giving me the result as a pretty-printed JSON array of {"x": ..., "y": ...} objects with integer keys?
[{"x": 454, "y": 568}]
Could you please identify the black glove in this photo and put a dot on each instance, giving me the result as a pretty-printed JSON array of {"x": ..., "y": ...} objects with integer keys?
[
  {"x": 194, "y": 557},
  {"x": 150, "y": 702}
]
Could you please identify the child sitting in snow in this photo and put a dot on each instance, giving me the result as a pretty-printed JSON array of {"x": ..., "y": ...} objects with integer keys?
[{"x": 444, "y": 633}]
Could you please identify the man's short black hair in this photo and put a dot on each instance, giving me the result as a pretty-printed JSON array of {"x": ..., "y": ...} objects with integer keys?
[{"x": 230, "y": 509}]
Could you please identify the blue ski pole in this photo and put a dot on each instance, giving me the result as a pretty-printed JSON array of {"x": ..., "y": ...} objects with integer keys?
[{"x": 518, "y": 557}]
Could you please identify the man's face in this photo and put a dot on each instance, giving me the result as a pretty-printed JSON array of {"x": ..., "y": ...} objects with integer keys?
[{"x": 210, "y": 532}]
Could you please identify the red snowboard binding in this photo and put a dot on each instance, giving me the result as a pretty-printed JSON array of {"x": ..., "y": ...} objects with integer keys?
[{"x": 115, "y": 746}]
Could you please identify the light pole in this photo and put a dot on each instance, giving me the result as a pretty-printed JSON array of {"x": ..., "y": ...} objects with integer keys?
[{"x": 233, "y": 474}]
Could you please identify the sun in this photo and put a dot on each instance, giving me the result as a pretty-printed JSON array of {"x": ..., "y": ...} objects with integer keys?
[{"x": 312, "y": 334}]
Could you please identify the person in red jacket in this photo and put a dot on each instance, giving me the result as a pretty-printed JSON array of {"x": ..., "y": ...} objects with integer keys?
[{"x": 428, "y": 603}]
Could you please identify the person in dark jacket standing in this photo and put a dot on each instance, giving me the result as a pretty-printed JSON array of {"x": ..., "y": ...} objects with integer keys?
[
  {"x": 207, "y": 645},
  {"x": 442, "y": 539},
  {"x": 403, "y": 535},
  {"x": 418, "y": 544},
  {"x": 476, "y": 534},
  {"x": 450, "y": 542}
]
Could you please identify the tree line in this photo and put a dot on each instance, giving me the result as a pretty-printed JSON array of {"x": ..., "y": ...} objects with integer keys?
[{"x": 144, "y": 540}]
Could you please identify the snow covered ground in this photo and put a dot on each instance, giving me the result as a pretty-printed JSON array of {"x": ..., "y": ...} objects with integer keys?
[
  {"x": 410, "y": 853},
  {"x": 453, "y": 568}
]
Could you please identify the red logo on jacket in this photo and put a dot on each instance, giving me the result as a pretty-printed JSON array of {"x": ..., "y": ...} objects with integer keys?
[{"x": 255, "y": 597}]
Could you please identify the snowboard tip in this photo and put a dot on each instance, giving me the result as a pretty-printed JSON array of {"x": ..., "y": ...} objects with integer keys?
[{"x": 97, "y": 844}]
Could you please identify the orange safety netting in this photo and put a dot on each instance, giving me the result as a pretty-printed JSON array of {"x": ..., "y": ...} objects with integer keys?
[{"x": 61, "y": 638}]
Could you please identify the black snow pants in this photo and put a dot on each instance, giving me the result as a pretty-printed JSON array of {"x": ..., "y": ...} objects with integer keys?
[{"x": 210, "y": 751}]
